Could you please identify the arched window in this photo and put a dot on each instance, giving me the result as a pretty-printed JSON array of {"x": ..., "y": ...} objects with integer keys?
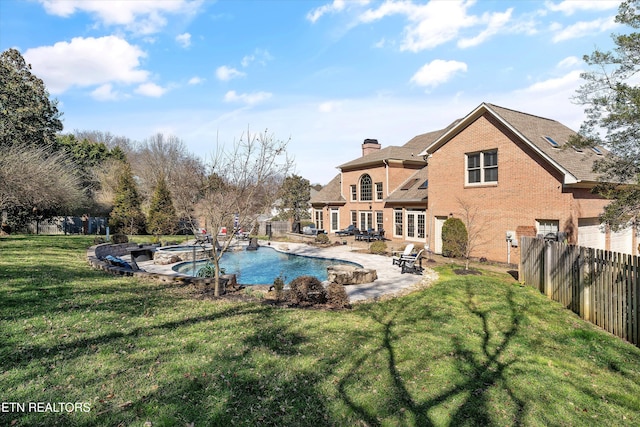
[{"x": 366, "y": 188}]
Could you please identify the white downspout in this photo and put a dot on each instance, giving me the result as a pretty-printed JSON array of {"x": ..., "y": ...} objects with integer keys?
[{"x": 386, "y": 172}]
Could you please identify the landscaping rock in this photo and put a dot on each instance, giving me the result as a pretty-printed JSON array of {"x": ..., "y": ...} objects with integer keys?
[
  {"x": 350, "y": 275},
  {"x": 166, "y": 259}
]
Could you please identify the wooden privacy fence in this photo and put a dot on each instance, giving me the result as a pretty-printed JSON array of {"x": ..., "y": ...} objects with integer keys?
[{"x": 602, "y": 287}]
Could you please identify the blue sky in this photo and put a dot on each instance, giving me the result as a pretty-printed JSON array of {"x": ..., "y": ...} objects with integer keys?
[{"x": 326, "y": 74}]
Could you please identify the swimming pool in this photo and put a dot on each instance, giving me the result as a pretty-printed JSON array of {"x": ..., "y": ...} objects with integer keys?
[{"x": 261, "y": 267}]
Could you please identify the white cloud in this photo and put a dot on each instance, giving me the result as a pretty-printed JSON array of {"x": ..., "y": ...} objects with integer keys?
[
  {"x": 569, "y": 7},
  {"x": 569, "y": 62},
  {"x": 336, "y": 6},
  {"x": 225, "y": 73},
  {"x": 583, "y": 29},
  {"x": 260, "y": 56},
  {"x": 437, "y": 72},
  {"x": 105, "y": 93},
  {"x": 87, "y": 62},
  {"x": 140, "y": 16},
  {"x": 184, "y": 40},
  {"x": 195, "y": 80},
  {"x": 430, "y": 24},
  {"x": 150, "y": 89},
  {"x": 247, "y": 98},
  {"x": 567, "y": 83},
  {"x": 496, "y": 22}
]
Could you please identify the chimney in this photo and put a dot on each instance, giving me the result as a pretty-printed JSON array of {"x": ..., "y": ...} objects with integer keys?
[{"x": 369, "y": 146}]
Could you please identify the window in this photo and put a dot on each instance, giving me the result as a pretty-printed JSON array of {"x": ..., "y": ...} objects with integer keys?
[
  {"x": 379, "y": 195},
  {"x": 424, "y": 185},
  {"x": 366, "y": 220},
  {"x": 482, "y": 167},
  {"x": 354, "y": 193},
  {"x": 319, "y": 220},
  {"x": 335, "y": 220},
  {"x": 416, "y": 224},
  {"x": 398, "y": 229},
  {"x": 411, "y": 224},
  {"x": 597, "y": 150},
  {"x": 354, "y": 218},
  {"x": 379, "y": 221},
  {"x": 546, "y": 226},
  {"x": 365, "y": 188},
  {"x": 421, "y": 228}
]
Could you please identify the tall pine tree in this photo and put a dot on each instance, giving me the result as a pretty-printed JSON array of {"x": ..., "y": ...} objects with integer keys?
[
  {"x": 162, "y": 215},
  {"x": 611, "y": 95},
  {"x": 126, "y": 216}
]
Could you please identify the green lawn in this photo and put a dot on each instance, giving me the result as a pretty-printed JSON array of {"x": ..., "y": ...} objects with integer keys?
[{"x": 471, "y": 350}]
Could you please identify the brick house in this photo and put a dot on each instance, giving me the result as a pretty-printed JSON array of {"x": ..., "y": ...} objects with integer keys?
[{"x": 507, "y": 169}]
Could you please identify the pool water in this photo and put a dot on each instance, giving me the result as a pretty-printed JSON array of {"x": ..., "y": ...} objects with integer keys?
[{"x": 261, "y": 267}]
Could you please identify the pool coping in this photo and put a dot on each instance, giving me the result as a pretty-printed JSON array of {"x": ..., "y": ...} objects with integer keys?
[{"x": 390, "y": 282}]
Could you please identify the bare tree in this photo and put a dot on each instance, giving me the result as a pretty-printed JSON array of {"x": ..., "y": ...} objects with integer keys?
[
  {"x": 34, "y": 178},
  {"x": 244, "y": 181},
  {"x": 476, "y": 229},
  {"x": 166, "y": 157}
]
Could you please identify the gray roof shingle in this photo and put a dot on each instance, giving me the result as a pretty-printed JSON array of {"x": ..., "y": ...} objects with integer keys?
[
  {"x": 330, "y": 193},
  {"x": 577, "y": 166},
  {"x": 412, "y": 190}
]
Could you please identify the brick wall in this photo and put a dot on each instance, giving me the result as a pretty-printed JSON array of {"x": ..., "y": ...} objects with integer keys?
[
  {"x": 391, "y": 177},
  {"x": 527, "y": 189}
]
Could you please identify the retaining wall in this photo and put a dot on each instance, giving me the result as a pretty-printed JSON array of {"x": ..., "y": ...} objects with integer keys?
[{"x": 96, "y": 255}]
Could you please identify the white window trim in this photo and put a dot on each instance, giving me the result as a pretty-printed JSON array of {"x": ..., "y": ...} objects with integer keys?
[
  {"x": 395, "y": 223},
  {"x": 416, "y": 214},
  {"x": 381, "y": 192},
  {"x": 482, "y": 169},
  {"x": 337, "y": 212},
  {"x": 554, "y": 222}
]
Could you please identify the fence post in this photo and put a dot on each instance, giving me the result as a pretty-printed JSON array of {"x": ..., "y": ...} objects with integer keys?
[
  {"x": 548, "y": 263},
  {"x": 586, "y": 269}
]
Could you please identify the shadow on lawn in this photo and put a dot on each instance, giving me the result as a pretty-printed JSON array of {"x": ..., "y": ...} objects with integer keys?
[
  {"x": 482, "y": 369},
  {"x": 20, "y": 356}
]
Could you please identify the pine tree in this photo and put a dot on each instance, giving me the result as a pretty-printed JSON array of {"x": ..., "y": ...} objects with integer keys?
[
  {"x": 611, "y": 95},
  {"x": 27, "y": 115},
  {"x": 126, "y": 216},
  {"x": 162, "y": 214}
]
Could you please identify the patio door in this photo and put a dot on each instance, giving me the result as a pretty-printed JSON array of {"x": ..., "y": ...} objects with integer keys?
[
  {"x": 366, "y": 220},
  {"x": 416, "y": 225}
]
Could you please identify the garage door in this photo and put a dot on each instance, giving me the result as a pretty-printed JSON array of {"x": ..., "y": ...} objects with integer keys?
[
  {"x": 590, "y": 233},
  {"x": 622, "y": 241}
]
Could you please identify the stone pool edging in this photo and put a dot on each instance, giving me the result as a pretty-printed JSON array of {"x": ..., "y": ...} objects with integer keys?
[{"x": 97, "y": 253}]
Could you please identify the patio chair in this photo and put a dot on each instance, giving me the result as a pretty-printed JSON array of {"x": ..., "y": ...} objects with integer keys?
[
  {"x": 346, "y": 231},
  {"x": 414, "y": 265},
  {"x": 406, "y": 254},
  {"x": 202, "y": 237}
]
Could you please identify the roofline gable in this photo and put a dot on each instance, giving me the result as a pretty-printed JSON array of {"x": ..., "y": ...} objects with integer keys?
[{"x": 483, "y": 108}]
